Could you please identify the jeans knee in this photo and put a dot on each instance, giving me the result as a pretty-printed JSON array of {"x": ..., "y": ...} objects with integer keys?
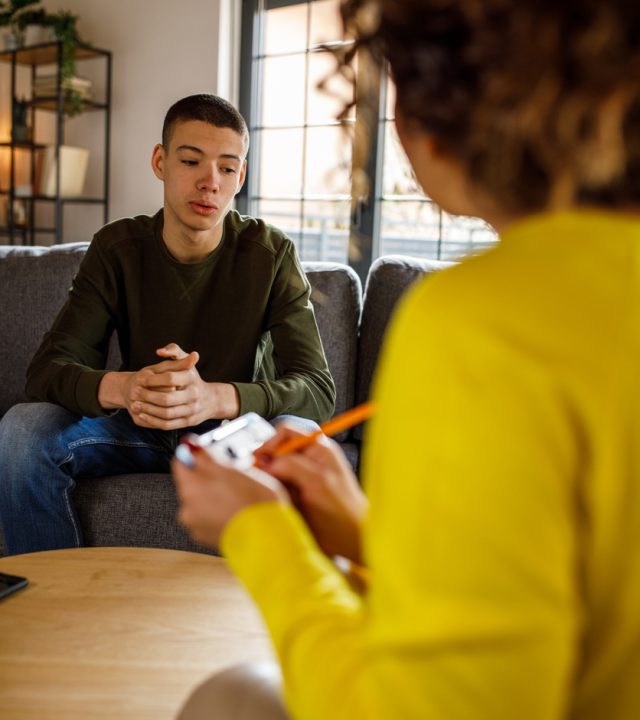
[
  {"x": 27, "y": 428},
  {"x": 299, "y": 423},
  {"x": 14, "y": 423}
]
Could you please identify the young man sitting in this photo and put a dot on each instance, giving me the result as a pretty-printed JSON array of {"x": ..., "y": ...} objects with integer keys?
[{"x": 213, "y": 316}]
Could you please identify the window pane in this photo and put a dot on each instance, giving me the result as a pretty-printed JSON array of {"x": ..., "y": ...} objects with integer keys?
[
  {"x": 325, "y": 231},
  {"x": 280, "y": 162},
  {"x": 410, "y": 228},
  {"x": 325, "y": 105},
  {"x": 325, "y": 226},
  {"x": 285, "y": 29},
  {"x": 464, "y": 236},
  {"x": 398, "y": 177},
  {"x": 284, "y": 214},
  {"x": 326, "y": 25},
  {"x": 328, "y": 161},
  {"x": 421, "y": 229},
  {"x": 281, "y": 106}
]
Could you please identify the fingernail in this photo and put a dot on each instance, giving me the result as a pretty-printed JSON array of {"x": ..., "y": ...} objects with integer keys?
[{"x": 262, "y": 460}]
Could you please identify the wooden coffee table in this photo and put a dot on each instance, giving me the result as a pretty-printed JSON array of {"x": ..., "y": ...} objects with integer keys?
[{"x": 119, "y": 632}]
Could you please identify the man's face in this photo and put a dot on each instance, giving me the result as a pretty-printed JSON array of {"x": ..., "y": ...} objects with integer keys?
[{"x": 202, "y": 169}]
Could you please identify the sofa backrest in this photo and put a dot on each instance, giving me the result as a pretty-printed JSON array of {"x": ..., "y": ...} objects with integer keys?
[
  {"x": 389, "y": 278},
  {"x": 337, "y": 301},
  {"x": 34, "y": 282}
]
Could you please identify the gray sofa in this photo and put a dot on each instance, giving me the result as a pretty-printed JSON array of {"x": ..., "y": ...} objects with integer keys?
[{"x": 140, "y": 509}]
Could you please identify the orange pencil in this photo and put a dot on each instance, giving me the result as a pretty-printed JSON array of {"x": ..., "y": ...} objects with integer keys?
[{"x": 341, "y": 422}]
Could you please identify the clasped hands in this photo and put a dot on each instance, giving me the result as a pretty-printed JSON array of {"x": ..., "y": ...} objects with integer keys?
[{"x": 170, "y": 394}]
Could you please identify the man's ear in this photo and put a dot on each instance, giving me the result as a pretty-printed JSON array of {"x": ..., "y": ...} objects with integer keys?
[
  {"x": 158, "y": 158},
  {"x": 243, "y": 175}
]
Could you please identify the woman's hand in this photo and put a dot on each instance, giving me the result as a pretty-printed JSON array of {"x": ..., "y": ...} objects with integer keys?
[
  {"x": 211, "y": 493},
  {"x": 323, "y": 488}
]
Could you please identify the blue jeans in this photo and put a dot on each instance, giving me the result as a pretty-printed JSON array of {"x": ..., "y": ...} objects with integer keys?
[{"x": 44, "y": 449}]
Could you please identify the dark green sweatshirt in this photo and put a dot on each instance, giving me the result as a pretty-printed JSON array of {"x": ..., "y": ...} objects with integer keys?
[{"x": 246, "y": 309}]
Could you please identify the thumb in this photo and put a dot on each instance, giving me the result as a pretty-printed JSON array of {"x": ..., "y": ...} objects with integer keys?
[
  {"x": 186, "y": 362},
  {"x": 172, "y": 351}
]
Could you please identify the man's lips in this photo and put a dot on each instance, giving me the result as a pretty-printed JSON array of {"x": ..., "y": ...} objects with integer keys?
[{"x": 203, "y": 208}]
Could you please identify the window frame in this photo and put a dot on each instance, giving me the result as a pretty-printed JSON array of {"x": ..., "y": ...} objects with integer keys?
[
  {"x": 365, "y": 221},
  {"x": 365, "y": 212}
]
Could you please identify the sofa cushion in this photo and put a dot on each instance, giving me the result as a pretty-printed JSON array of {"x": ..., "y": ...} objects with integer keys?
[
  {"x": 389, "y": 278},
  {"x": 34, "y": 283},
  {"x": 337, "y": 301},
  {"x": 106, "y": 507}
]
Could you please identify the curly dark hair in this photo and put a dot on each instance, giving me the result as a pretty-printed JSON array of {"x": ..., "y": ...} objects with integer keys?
[{"x": 539, "y": 99}]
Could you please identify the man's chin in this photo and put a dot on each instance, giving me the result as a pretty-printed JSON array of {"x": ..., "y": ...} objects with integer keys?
[
  {"x": 201, "y": 224},
  {"x": 191, "y": 223}
]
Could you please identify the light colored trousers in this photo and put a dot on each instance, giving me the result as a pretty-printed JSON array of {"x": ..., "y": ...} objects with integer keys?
[{"x": 252, "y": 691}]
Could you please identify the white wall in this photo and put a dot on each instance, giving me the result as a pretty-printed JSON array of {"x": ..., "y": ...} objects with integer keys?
[{"x": 162, "y": 51}]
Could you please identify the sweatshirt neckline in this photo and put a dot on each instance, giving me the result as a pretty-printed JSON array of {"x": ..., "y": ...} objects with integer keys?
[{"x": 187, "y": 267}]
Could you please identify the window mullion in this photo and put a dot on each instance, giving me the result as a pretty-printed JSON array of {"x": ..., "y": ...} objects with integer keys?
[
  {"x": 369, "y": 139},
  {"x": 250, "y": 94}
]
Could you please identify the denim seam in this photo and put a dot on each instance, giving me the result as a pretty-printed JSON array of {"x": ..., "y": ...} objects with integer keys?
[
  {"x": 67, "y": 502},
  {"x": 106, "y": 441}
]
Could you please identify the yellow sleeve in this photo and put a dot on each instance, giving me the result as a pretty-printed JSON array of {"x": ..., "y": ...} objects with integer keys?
[
  {"x": 472, "y": 609},
  {"x": 314, "y": 618}
]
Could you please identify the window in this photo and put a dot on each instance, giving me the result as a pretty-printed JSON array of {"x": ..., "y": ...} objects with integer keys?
[{"x": 299, "y": 171}]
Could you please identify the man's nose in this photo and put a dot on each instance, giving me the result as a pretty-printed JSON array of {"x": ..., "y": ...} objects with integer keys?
[{"x": 210, "y": 179}]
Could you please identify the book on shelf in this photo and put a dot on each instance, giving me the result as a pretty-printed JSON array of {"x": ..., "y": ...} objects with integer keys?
[
  {"x": 47, "y": 86},
  {"x": 73, "y": 171}
]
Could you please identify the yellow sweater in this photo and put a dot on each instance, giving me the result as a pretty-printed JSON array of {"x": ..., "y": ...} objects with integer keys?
[{"x": 503, "y": 469}]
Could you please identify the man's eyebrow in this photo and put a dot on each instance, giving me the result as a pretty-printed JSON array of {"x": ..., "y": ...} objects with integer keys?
[{"x": 193, "y": 148}]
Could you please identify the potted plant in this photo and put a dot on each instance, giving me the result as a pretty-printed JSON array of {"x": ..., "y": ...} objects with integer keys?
[
  {"x": 9, "y": 13},
  {"x": 64, "y": 27},
  {"x": 35, "y": 26}
]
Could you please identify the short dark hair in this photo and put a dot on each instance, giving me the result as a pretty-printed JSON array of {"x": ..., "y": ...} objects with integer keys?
[{"x": 207, "y": 108}]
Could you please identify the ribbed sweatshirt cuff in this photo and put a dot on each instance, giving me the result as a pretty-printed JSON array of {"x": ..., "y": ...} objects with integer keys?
[
  {"x": 87, "y": 393},
  {"x": 253, "y": 398}
]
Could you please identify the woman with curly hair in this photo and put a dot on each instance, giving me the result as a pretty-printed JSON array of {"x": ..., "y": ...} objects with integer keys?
[{"x": 501, "y": 529}]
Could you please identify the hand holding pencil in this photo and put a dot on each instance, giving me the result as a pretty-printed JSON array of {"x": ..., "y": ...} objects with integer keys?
[
  {"x": 308, "y": 469},
  {"x": 341, "y": 422},
  {"x": 321, "y": 482}
]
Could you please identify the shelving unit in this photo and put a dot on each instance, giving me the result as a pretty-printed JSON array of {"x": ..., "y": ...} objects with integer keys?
[{"x": 34, "y": 57}]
